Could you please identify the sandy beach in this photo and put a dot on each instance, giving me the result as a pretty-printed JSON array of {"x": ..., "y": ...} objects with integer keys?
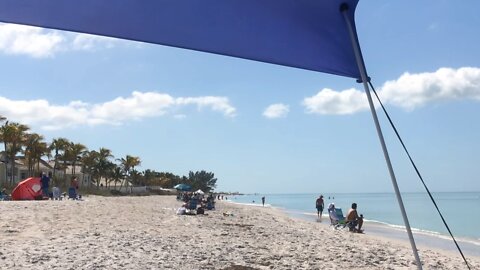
[{"x": 145, "y": 233}]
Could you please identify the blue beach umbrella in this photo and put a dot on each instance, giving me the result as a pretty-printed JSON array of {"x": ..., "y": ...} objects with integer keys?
[{"x": 183, "y": 187}]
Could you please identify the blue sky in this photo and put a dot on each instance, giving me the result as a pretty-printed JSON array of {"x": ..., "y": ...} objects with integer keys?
[{"x": 260, "y": 127}]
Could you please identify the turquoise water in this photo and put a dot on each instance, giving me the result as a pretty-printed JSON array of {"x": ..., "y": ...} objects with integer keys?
[{"x": 458, "y": 208}]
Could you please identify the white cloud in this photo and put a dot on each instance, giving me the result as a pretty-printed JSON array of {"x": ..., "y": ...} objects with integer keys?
[
  {"x": 415, "y": 90},
  {"x": 40, "y": 43},
  {"x": 138, "y": 106},
  {"x": 219, "y": 104},
  {"x": 328, "y": 101},
  {"x": 90, "y": 42},
  {"x": 276, "y": 111},
  {"x": 409, "y": 91},
  {"x": 33, "y": 41}
]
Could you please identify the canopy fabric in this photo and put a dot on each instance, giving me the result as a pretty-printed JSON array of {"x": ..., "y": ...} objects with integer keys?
[
  {"x": 28, "y": 189},
  {"x": 182, "y": 187},
  {"x": 199, "y": 191},
  {"x": 307, "y": 34}
]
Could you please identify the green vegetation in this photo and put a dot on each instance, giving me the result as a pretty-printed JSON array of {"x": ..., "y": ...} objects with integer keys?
[{"x": 101, "y": 166}]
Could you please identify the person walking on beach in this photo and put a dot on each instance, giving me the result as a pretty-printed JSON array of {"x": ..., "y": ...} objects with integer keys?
[
  {"x": 263, "y": 200},
  {"x": 319, "y": 204}
]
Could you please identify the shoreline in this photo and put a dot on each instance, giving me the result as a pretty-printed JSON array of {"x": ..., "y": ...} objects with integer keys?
[
  {"x": 144, "y": 232},
  {"x": 423, "y": 239},
  {"x": 383, "y": 208}
]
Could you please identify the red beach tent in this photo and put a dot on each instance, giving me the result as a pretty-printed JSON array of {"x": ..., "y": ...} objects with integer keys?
[{"x": 28, "y": 189}]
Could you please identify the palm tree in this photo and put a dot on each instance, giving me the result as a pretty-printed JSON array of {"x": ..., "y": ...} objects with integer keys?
[
  {"x": 117, "y": 175},
  {"x": 102, "y": 164},
  {"x": 136, "y": 178},
  {"x": 13, "y": 135},
  {"x": 128, "y": 164},
  {"x": 35, "y": 148},
  {"x": 58, "y": 147},
  {"x": 66, "y": 159},
  {"x": 40, "y": 151},
  {"x": 107, "y": 171},
  {"x": 71, "y": 154},
  {"x": 75, "y": 151},
  {"x": 89, "y": 159}
]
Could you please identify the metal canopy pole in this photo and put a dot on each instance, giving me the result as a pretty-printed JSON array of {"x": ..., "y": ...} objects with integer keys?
[{"x": 365, "y": 79}]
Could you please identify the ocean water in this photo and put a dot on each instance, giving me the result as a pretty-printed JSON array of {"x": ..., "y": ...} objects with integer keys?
[{"x": 381, "y": 210}]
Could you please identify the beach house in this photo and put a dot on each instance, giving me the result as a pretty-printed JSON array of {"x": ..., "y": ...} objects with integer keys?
[{"x": 23, "y": 170}]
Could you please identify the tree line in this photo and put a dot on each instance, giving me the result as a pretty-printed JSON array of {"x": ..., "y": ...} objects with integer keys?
[{"x": 101, "y": 165}]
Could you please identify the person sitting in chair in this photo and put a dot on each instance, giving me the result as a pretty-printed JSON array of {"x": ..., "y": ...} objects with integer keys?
[
  {"x": 201, "y": 210},
  {"x": 4, "y": 195},
  {"x": 332, "y": 214},
  {"x": 354, "y": 220}
]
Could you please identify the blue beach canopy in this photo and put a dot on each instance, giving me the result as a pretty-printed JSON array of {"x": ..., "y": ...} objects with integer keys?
[{"x": 307, "y": 34}]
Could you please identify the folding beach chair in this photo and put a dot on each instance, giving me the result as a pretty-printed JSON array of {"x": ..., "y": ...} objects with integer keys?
[
  {"x": 56, "y": 194},
  {"x": 337, "y": 219},
  {"x": 192, "y": 207},
  {"x": 210, "y": 205},
  {"x": 72, "y": 193}
]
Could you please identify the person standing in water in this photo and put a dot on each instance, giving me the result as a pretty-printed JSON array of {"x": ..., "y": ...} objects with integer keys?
[
  {"x": 319, "y": 204},
  {"x": 263, "y": 200}
]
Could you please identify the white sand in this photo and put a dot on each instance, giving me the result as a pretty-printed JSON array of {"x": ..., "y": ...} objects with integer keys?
[{"x": 145, "y": 233}]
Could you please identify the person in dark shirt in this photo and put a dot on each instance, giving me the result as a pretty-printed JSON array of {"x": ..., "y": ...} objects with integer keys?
[{"x": 45, "y": 182}]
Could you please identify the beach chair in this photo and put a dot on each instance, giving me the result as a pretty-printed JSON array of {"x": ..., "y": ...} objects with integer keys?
[
  {"x": 337, "y": 219},
  {"x": 4, "y": 196},
  {"x": 210, "y": 205},
  {"x": 192, "y": 207},
  {"x": 72, "y": 193},
  {"x": 192, "y": 204},
  {"x": 56, "y": 194}
]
